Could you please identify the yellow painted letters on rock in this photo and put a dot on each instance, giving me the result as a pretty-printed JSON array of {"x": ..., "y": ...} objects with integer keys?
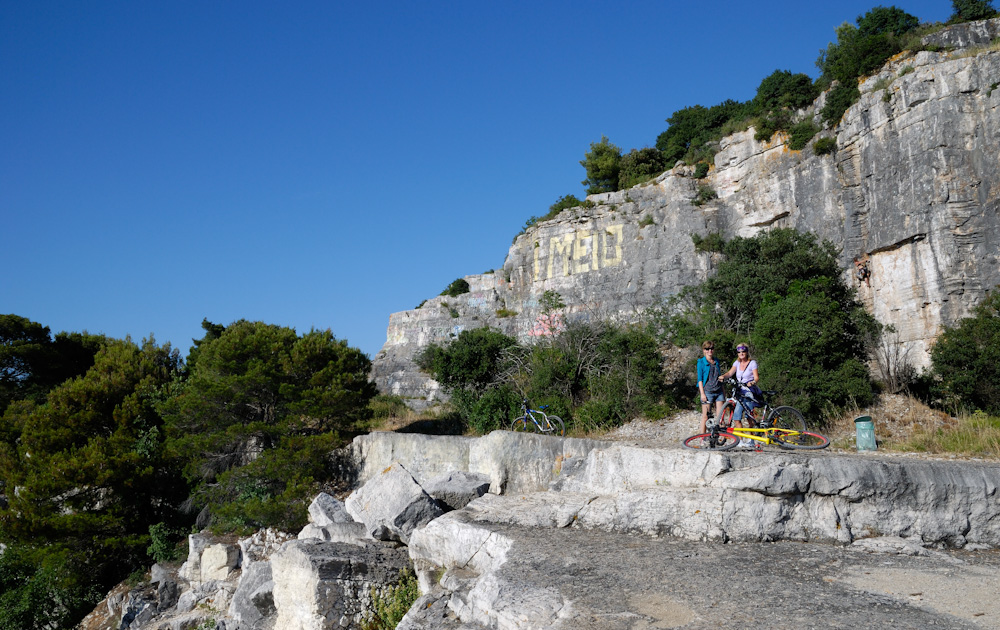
[{"x": 578, "y": 252}]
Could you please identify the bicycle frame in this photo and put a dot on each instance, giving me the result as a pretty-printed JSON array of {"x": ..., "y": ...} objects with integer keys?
[
  {"x": 542, "y": 422},
  {"x": 544, "y": 425},
  {"x": 724, "y": 439},
  {"x": 737, "y": 398}
]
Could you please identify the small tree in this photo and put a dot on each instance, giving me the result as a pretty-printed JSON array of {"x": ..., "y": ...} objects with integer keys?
[
  {"x": 784, "y": 89},
  {"x": 469, "y": 369},
  {"x": 640, "y": 165},
  {"x": 971, "y": 10},
  {"x": 966, "y": 358},
  {"x": 811, "y": 348},
  {"x": 603, "y": 165},
  {"x": 456, "y": 288}
]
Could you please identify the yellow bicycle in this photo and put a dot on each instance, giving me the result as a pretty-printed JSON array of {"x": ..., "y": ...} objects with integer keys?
[{"x": 720, "y": 439}]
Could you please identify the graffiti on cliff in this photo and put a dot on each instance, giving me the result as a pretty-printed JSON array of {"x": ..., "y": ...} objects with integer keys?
[{"x": 578, "y": 252}]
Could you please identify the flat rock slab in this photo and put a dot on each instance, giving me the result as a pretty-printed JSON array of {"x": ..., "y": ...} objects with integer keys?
[{"x": 606, "y": 581}]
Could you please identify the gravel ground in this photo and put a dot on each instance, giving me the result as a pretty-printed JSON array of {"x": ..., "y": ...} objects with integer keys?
[{"x": 638, "y": 583}]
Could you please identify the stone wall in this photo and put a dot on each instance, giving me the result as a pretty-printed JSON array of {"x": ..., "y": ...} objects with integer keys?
[{"x": 913, "y": 185}]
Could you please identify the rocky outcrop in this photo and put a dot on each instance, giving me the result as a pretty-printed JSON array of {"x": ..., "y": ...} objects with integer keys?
[
  {"x": 913, "y": 185},
  {"x": 496, "y": 561}
]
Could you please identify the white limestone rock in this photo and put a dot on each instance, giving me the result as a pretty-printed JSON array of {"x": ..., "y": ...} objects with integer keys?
[
  {"x": 392, "y": 505},
  {"x": 218, "y": 561},
  {"x": 454, "y": 490},
  {"x": 326, "y": 510}
]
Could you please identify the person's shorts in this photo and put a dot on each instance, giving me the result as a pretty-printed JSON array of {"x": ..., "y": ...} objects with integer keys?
[{"x": 711, "y": 398}]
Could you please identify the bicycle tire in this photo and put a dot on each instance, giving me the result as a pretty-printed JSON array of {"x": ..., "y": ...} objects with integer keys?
[
  {"x": 785, "y": 417},
  {"x": 801, "y": 440},
  {"x": 704, "y": 442},
  {"x": 726, "y": 417},
  {"x": 523, "y": 425},
  {"x": 558, "y": 427}
]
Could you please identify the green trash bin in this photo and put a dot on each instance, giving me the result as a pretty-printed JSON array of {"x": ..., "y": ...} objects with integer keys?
[{"x": 865, "y": 430}]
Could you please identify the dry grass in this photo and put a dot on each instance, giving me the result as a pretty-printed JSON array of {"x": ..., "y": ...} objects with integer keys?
[
  {"x": 993, "y": 46},
  {"x": 904, "y": 424},
  {"x": 438, "y": 420}
]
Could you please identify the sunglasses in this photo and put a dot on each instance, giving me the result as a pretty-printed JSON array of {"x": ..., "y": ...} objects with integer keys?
[
  {"x": 741, "y": 349},
  {"x": 706, "y": 349}
]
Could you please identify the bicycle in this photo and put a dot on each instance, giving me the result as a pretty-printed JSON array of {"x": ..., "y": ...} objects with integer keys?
[
  {"x": 782, "y": 416},
  {"x": 720, "y": 439},
  {"x": 537, "y": 421},
  {"x": 783, "y": 426}
]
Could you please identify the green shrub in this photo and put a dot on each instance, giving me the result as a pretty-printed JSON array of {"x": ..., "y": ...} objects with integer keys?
[
  {"x": 638, "y": 166},
  {"x": 705, "y": 194},
  {"x": 701, "y": 170},
  {"x": 487, "y": 410},
  {"x": 782, "y": 89},
  {"x": 811, "y": 348},
  {"x": 389, "y": 605},
  {"x": 840, "y": 98},
  {"x": 711, "y": 243},
  {"x": 603, "y": 165},
  {"x": 503, "y": 312},
  {"x": 646, "y": 220},
  {"x": 274, "y": 490},
  {"x": 456, "y": 288},
  {"x": 881, "y": 33},
  {"x": 824, "y": 146},
  {"x": 801, "y": 134},
  {"x": 471, "y": 361},
  {"x": 163, "y": 543},
  {"x": 768, "y": 125},
  {"x": 966, "y": 357},
  {"x": 692, "y": 128}
]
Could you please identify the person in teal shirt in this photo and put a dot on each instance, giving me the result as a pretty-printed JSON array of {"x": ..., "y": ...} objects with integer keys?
[{"x": 709, "y": 385}]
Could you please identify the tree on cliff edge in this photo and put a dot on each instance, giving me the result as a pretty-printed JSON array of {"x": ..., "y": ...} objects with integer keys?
[
  {"x": 971, "y": 10},
  {"x": 603, "y": 164}
]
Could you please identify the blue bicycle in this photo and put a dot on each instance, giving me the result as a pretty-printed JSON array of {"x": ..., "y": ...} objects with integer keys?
[{"x": 537, "y": 421}]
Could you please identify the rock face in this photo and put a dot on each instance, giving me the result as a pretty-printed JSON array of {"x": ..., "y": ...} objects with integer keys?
[{"x": 914, "y": 185}]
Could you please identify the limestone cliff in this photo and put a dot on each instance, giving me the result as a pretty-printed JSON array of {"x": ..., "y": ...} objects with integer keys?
[{"x": 914, "y": 184}]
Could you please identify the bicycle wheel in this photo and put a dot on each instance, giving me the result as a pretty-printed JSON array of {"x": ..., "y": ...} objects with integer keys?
[
  {"x": 801, "y": 440},
  {"x": 786, "y": 418},
  {"x": 707, "y": 442},
  {"x": 523, "y": 425},
  {"x": 726, "y": 418},
  {"x": 558, "y": 428}
]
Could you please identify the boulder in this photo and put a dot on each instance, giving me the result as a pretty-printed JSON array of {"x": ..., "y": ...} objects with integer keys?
[
  {"x": 320, "y": 585},
  {"x": 353, "y": 533},
  {"x": 392, "y": 505},
  {"x": 326, "y": 510},
  {"x": 218, "y": 561},
  {"x": 191, "y": 569},
  {"x": 454, "y": 490},
  {"x": 253, "y": 601}
]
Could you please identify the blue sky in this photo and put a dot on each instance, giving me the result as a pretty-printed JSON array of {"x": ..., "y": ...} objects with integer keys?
[{"x": 324, "y": 164}]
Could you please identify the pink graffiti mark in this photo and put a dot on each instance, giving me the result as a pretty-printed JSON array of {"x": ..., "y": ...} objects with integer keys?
[{"x": 548, "y": 325}]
